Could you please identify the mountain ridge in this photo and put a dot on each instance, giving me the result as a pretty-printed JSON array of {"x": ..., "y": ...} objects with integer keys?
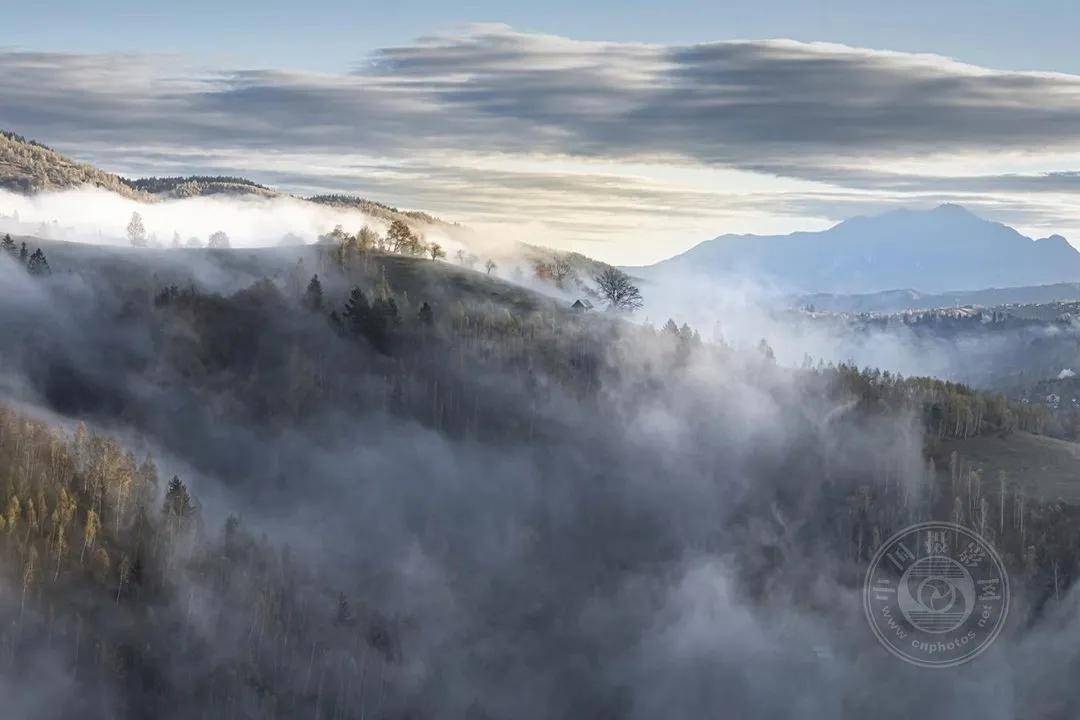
[{"x": 945, "y": 249}]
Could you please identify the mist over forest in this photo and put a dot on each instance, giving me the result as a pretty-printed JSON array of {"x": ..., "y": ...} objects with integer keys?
[
  {"x": 422, "y": 491},
  {"x": 427, "y": 389}
]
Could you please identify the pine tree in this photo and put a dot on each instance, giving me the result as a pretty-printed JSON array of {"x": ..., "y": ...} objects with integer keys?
[
  {"x": 357, "y": 313},
  {"x": 178, "y": 508},
  {"x": 7, "y": 244},
  {"x": 38, "y": 265},
  {"x": 313, "y": 296},
  {"x": 23, "y": 253}
]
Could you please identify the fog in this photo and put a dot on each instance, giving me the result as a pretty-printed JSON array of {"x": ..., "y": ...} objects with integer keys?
[
  {"x": 669, "y": 544},
  {"x": 652, "y": 554},
  {"x": 742, "y": 311},
  {"x": 101, "y": 217}
]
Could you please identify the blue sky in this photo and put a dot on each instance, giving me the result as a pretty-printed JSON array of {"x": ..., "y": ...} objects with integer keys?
[{"x": 629, "y": 131}]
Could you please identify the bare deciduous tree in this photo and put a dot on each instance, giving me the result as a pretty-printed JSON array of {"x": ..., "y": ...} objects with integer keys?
[{"x": 615, "y": 287}]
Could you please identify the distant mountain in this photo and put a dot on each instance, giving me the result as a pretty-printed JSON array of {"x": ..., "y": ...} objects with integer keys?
[{"x": 939, "y": 250}]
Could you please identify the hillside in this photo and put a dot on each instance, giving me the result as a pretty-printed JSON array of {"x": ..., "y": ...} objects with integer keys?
[
  {"x": 934, "y": 251},
  {"x": 129, "y": 269},
  {"x": 405, "y": 471},
  {"x": 28, "y": 166},
  {"x": 1044, "y": 468}
]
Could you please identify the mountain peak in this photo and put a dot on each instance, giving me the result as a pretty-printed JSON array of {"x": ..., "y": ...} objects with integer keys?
[
  {"x": 954, "y": 209},
  {"x": 945, "y": 248}
]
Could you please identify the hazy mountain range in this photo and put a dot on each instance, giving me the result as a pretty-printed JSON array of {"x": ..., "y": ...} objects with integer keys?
[{"x": 934, "y": 251}]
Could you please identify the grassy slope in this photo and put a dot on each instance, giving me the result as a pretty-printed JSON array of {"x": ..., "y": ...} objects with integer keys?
[
  {"x": 224, "y": 271},
  {"x": 1045, "y": 467}
]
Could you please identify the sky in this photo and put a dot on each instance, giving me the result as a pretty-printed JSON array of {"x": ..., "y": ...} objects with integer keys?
[{"x": 627, "y": 131}]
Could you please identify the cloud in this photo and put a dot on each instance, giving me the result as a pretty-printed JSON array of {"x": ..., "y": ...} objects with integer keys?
[{"x": 414, "y": 124}]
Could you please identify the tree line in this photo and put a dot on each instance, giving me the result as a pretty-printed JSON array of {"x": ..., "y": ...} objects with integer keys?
[{"x": 35, "y": 262}]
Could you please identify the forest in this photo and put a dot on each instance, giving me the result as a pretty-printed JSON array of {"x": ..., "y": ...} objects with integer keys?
[{"x": 368, "y": 485}]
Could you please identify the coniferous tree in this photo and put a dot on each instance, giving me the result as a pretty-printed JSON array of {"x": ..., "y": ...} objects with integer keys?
[
  {"x": 7, "y": 244},
  {"x": 23, "y": 253},
  {"x": 37, "y": 264},
  {"x": 178, "y": 508},
  {"x": 357, "y": 315},
  {"x": 313, "y": 296}
]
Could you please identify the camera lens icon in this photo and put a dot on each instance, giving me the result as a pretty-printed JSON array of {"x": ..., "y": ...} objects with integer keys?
[{"x": 936, "y": 594}]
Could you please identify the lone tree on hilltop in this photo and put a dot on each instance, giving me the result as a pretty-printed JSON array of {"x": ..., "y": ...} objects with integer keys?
[
  {"x": 615, "y": 287},
  {"x": 402, "y": 240}
]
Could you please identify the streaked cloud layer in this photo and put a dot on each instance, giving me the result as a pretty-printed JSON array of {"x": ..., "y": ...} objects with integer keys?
[{"x": 628, "y": 151}]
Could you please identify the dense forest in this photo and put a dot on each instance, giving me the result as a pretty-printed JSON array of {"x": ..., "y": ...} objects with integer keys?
[{"x": 352, "y": 484}]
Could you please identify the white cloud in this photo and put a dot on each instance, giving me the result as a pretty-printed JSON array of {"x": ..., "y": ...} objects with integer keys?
[{"x": 649, "y": 147}]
